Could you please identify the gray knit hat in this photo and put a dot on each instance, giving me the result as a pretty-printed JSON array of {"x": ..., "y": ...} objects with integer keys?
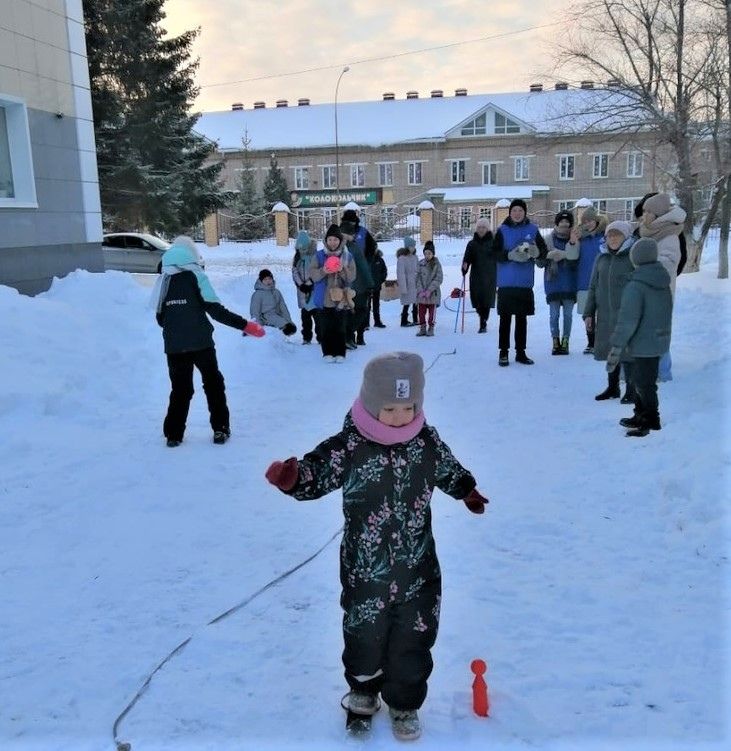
[
  {"x": 643, "y": 251},
  {"x": 624, "y": 228},
  {"x": 393, "y": 378},
  {"x": 658, "y": 205}
]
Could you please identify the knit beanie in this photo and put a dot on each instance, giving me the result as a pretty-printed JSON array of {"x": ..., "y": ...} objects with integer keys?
[
  {"x": 564, "y": 215},
  {"x": 334, "y": 231},
  {"x": 349, "y": 215},
  {"x": 518, "y": 202},
  {"x": 393, "y": 378},
  {"x": 625, "y": 228},
  {"x": 303, "y": 240},
  {"x": 641, "y": 204},
  {"x": 429, "y": 245},
  {"x": 347, "y": 227},
  {"x": 264, "y": 273},
  {"x": 658, "y": 205},
  {"x": 643, "y": 251},
  {"x": 589, "y": 215},
  {"x": 409, "y": 242}
]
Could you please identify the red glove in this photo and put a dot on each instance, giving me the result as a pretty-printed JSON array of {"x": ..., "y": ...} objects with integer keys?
[
  {"x": 475, "y": 502},
  {"x": 283, "y": 474},
  {"x": 252, "y": 328}
]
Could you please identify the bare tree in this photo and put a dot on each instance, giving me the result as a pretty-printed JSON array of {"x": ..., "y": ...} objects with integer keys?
[{"x": 659, "y": 56}]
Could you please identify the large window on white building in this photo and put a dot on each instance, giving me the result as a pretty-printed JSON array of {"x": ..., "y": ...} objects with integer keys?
[
  {"x": 489, "y": 173},
  {"x": 329, "y": 179},
  {"x": 504, "y": 125},
  {"x": 459, "y": 169},
  {"x": 600, "y": 165},
  {"x": 634, "y": 164},
  {"x": 521, "y": 167},
  {"x": 413, "y": 170},
  {"x": 357, "y": 175},
  {"x": 477, "y": 127},
  {"x": 385, "y": 174},
  {"x": 301, "y": 178},
  {"x": 17, "y": 183},
  {"x": 566, "y": 163}
]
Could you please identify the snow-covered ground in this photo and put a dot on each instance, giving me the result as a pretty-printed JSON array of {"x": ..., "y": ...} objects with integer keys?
[{"x": 596, "y": 586}]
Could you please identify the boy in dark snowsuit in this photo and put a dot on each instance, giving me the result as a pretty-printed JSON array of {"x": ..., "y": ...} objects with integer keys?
[
  {"x": 643, "y": 328},
  {"x": 184, "y": 299},
  {"x": 387, "y": 460}
]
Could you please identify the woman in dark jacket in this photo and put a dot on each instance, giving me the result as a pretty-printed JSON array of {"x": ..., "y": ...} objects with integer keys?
[{"x": 481, "y": 264}]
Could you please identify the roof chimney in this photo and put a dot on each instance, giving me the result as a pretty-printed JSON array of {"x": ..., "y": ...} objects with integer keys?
[
  {"x": 282, "y": 102},
  {"x": 237, "y": 106},
  {"x": 587, "y": 84},
  {"x": 561, "y": 86},
  {"x": 613, "y": 83},
  {"x": 259, "y": 105},
  {"x": 388, "y": 96},
  {"x": 460, "y": 92},
  {"x": 536, "y": 87},
  {"x": 436, "y": 93},
  {"x": 303, "y": 102},
  {"x": 412, "y": 94}
]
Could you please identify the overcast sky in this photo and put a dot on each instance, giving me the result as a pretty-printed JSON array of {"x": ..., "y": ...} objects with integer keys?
[{"x": 257, "y": 39}]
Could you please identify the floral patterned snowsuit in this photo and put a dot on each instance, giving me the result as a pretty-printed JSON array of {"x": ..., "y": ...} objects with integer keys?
[{"x": 388, "y": 564}]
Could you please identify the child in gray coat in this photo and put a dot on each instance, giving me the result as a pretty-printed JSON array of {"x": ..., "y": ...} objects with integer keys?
[
  {"x": 643, "y": 328},
  {"x": 267, "y": 305}
]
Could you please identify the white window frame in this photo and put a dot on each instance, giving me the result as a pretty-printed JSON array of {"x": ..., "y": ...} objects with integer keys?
[
  {"x": 458, "y": 169},
  {"x": 357, "y": 175},
  {"x": 385, "y": 174},
  {"x": 489, "y": 167},
  {"x": 629, "y": 208},
  {"x": 473, "y": 129},
  {"x": 21, "y": 155},
  {"x": 565, "y": 205},
  {"x": 301, "y": 178},
  {"x": 414, "y": 173},
  {"x": 329, "y": 176},
  {"x": 566, "y": 166},
  {"x": 507, "y": 128},
  {"x": 635, "y": 158},
  {"x": 465, "y": 217},
  {"x": 600, "y": 204},
  {"x": 522, "y": 174},
  {"x": 600, "y": 166}
]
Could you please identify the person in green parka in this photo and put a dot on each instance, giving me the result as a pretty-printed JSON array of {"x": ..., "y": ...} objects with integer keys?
[{"x": 388, "y": 461}]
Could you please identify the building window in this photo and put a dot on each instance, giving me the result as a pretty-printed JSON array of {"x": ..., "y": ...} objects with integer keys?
[
  {"x": 521, "y": 167},
  {"x": 629, "y": 209},
  {"x": 478, "y": 126},
  {"x": 302, "y": 220},
  {"x": 385, "y": 174},
  {"x": 600, "y": 205},
  {"x": 329, "y": 216},
  {"x": 634, "y": 164},
  {"x": 329, "y": 179},
  {"x": 566, "y": 205},
  {"x": 465, "y": 217},
  {"x": 489, "y": 173},
  {"x": 600, "y": 165},
  {"x": 486, "y": 213},
  {"x": 459, "y": 167},
  {"x": 566, "y": 167},
  {"x": 504, "y": 126},
  {"x": 357, "y": 175},
  {"x": 17, "y": 182},
  {"x": 301, "y": 178},
  {"x": 414, "y": 173}
]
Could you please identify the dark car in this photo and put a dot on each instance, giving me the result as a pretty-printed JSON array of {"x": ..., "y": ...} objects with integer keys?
[{"x": 133, "y": 251}]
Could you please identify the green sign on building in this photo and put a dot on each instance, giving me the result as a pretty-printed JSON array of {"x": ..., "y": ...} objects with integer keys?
[{"x": 315, "y": 198}]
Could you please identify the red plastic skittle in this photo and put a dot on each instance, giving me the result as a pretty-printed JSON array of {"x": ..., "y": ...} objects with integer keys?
[{"x": 480, "y": 700}]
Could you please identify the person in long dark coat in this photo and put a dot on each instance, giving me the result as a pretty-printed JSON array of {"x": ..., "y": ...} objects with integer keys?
[{"x": 482, "y": 267}]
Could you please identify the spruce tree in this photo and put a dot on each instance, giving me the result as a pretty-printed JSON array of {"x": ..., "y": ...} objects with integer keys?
[
  {"x": 250, "y": 221},
  {"x": 151, "y": 163},
  {"x": 275, "y": 186}
]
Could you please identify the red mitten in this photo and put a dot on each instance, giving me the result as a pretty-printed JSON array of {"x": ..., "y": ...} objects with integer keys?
[
  {"x": 475, "y": 502},
  {"x": 332, "y": 264},
  {"x": 252, "y": 328},
  {"x": 283, "y": 474}
]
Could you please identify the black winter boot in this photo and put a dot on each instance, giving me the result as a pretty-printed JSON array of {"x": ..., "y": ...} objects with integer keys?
[
  {"x": 503, "y": 361},
  {"x": 522, "y": 358},
  {"x": 556, "y": 350}
]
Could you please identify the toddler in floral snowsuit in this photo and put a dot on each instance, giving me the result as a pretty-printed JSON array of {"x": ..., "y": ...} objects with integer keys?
[{"x": 387, "y": 460}]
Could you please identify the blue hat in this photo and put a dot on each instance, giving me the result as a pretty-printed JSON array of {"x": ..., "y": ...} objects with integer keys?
[
  {"x": 409, "y": 242},
  {"x": 303, "y": 240}
]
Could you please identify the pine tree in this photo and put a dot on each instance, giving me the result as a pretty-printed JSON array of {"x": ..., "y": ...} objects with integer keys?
[
  {"x": 250, "y": 222},
  {"x": 151, "y": 163},
  {"x": 275, "y": 186}
]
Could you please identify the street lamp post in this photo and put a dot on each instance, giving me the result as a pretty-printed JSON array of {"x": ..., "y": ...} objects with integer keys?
[{"x": 337, "y": 146}]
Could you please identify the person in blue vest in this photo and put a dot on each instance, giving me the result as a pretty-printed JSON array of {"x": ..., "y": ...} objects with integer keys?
[
  {"x": 591, "y": 226},
  {"x": 559, "y": 278},
  {"x": 517, "y": 245},
  {"x": 362, "y": 247}
]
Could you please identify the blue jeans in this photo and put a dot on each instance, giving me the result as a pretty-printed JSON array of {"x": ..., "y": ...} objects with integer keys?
[
  {"x": 665, "y": 370},
  {"x": 555, "y": 307}
]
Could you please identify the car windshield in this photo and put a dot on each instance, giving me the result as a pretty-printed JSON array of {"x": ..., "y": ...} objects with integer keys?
[{"x": 156, "y": 241}]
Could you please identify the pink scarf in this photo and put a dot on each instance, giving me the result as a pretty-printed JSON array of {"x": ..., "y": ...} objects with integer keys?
[{"x": 369, "y": 427}]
